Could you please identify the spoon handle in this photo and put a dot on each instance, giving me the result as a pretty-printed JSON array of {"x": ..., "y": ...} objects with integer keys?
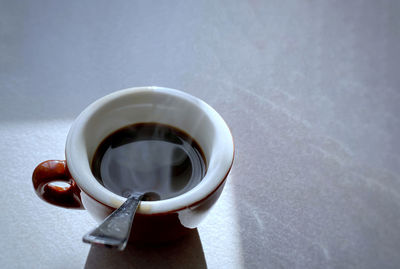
[{"x": 115, "y": 230}]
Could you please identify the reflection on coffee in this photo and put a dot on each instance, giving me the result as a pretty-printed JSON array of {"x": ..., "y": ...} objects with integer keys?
[{"x": 149, "y": 158}]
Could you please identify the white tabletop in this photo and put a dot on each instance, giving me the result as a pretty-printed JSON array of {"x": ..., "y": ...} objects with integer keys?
[{"x": 310, "y": 90}]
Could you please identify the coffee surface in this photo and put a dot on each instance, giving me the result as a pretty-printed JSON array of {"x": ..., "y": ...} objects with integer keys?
[{"x": 150, "y": 158}]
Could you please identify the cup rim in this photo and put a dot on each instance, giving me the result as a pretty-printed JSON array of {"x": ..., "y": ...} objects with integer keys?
[{"x": 79, "y": 167}]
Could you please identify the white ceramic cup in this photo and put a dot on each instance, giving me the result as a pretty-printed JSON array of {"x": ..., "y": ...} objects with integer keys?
[{"x": 155, "y": 221}]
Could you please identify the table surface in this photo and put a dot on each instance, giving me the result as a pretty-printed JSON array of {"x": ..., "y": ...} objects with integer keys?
[{"x": 310, "y": 89}]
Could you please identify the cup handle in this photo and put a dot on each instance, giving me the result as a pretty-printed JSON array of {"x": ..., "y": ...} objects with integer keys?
[{"x": 44, "y": 179}]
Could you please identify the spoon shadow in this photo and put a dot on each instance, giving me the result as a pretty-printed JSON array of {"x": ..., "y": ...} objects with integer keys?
[{"x": 184, "y": 253}]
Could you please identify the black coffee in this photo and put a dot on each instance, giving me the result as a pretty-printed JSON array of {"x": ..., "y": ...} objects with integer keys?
[{"x": 153, "y": 158}]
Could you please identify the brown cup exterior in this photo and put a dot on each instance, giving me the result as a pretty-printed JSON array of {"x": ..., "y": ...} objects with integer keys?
[{"x": 146, "y": 228}]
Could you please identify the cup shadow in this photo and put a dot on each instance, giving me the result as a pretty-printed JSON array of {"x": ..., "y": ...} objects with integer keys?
[{"x": 184, "y": 253}]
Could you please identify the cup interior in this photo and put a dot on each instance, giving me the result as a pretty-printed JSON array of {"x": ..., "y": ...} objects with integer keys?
[{"x": 150, "y": 104}]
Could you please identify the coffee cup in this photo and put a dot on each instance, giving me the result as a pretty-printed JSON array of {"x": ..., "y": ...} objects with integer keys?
[{"x": 155, "y": 221}]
